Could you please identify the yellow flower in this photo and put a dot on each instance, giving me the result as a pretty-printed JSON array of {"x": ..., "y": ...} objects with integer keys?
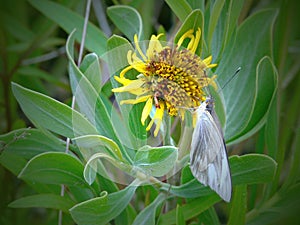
[{"x": 170, "y": 78}]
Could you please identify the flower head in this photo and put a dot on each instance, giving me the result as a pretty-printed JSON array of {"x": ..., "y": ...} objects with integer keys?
[{"x": 171, "y": 78}]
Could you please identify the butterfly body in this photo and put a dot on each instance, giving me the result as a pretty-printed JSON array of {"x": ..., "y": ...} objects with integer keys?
[{"x": 208, "y": 156}]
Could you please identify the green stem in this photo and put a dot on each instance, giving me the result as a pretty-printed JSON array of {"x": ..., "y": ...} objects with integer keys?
[{"x": 167, "y": 137}]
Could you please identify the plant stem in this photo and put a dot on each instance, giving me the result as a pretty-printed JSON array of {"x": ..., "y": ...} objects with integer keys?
[{"x": 167, "y": 137}]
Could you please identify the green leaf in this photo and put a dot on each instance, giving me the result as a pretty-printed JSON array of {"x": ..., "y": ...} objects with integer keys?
[
  {"x": 87, "y": 98},
  {"x": 116, "y": 55},
  {"x": 18, "y": 146},
  {"x": 156, "y": 161},
  {"x": 179, "y": 216},
  {"x": 69, "y": 20},
  {"x": 127, "y": 216},
  {"x": 98, "y": 141},
  {"x": 130, "y": 130},
  {"x": 213, "y": 19},
  {"x": 28, "y": 143},
  {"x": 266, "y": 91},
  {"x": 180, "y": 7},
  {"x": 282, "y": 208},
  {"x": 93, "y": 165},
  {"x": 209, "y": 216},
  {"x": 103, "y": 209},
  {"x": 248, "y": 88},
  {"x": 44, "y": 201},
  {"x": 12, "y": 162},
  {"x": 54, "y": 168},
  {"x": 252, "y": 169},
  {"x": 128, "y": 20},
  {"x": 246, "y": 169},
  {"x": 90, "y": 67},
  {"x": 272, "y": 129},
  {"x": 226, "y": 28},
  {"x": 190, "y": 210},
  {"x": 238, "y": 205},
  {"x": 147, "y": 215},
  {"x": 55, "y": 116},
  {"x": 196, "y": 4}
]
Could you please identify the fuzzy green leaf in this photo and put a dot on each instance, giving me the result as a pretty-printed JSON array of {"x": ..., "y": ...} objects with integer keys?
[
  {"x": 180, "y": 7},
  {"x": 103, "y": 209},
  {"x": 98, "y": 141},
  {"x": 90, "y": 67},
  {"x": 128, "y": 126},
  {"x": 190, "y": 210},
  {"x": 252, "y": 169},
  {"x": 147, "y": 215},
  {"x": 248, "y": 88},
  {"x": 48, "y": 113},
  {"x": 87, "y": 98},
  {"x": 246, "y": 169},
  {"x": 128, "y": 20},
  {"x": 54, "y": 168},
  {"x": 156, "y": 161},
  {"x": 43, "y": 201},
  {"x": 179, "y": 216},
  {"x": 238, "y": 205}
]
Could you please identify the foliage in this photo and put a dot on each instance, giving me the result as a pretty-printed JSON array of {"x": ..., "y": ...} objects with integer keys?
[{"x": 112, "y": 171}]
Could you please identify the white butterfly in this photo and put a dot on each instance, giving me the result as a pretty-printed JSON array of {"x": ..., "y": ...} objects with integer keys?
[{"x": 208, "y": 156}]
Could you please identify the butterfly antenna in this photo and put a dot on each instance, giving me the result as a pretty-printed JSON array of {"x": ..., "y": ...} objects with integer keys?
[{"x": 230, "y": 79}]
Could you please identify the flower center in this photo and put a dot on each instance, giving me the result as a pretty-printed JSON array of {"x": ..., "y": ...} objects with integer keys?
[{"x": 177, "y": 77}]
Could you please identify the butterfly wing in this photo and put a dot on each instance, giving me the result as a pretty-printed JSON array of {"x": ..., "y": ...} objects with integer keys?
[{"x": 208, "y": 156}]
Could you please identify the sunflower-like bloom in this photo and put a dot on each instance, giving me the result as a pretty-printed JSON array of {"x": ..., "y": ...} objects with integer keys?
[{"x": 171, "y": 78}]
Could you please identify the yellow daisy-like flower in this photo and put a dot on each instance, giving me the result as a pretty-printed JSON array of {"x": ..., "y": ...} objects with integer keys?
[{"x": 171, "y": 78}]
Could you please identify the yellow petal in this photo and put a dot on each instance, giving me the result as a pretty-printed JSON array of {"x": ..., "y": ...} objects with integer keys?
[
  {"x": 191, "y": 43},
  {"x": 135, "y": 101},
  {"x": 207, "y": 60},
  {"x": 131, "y": 86},
  {"x": 147, "y": 109},
  {"x": 195, "y": 42},
  {"x": 154, "y": 46},
  {"x": 122, "y": 80},
  {"x": 125, "y": 70},
  {"x": 133, "y": 59},
  {"x": 138, "y": 48},
  {"x": 158, "y": 117},
  {"x": 212, "y": 82},
  {"x": 188, "y": 34},
  {"x": 211, "y": 65}
]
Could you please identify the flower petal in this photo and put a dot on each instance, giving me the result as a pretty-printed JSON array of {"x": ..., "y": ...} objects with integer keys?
[
  {"x": 138, "y": 48},
  {"x": 207, "y": 60},
  {"x": 157, "y": 119},
  {"x": 122, "y": 80},
  {"x": 154, "y": 46},
  {"x": 195, "y": 43},
  {"x": 188, "y": 34},
  {"x": 147, "y": 109},
  {"x": 135, "y": 101},
  {"x": 132, "y": 85}
]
